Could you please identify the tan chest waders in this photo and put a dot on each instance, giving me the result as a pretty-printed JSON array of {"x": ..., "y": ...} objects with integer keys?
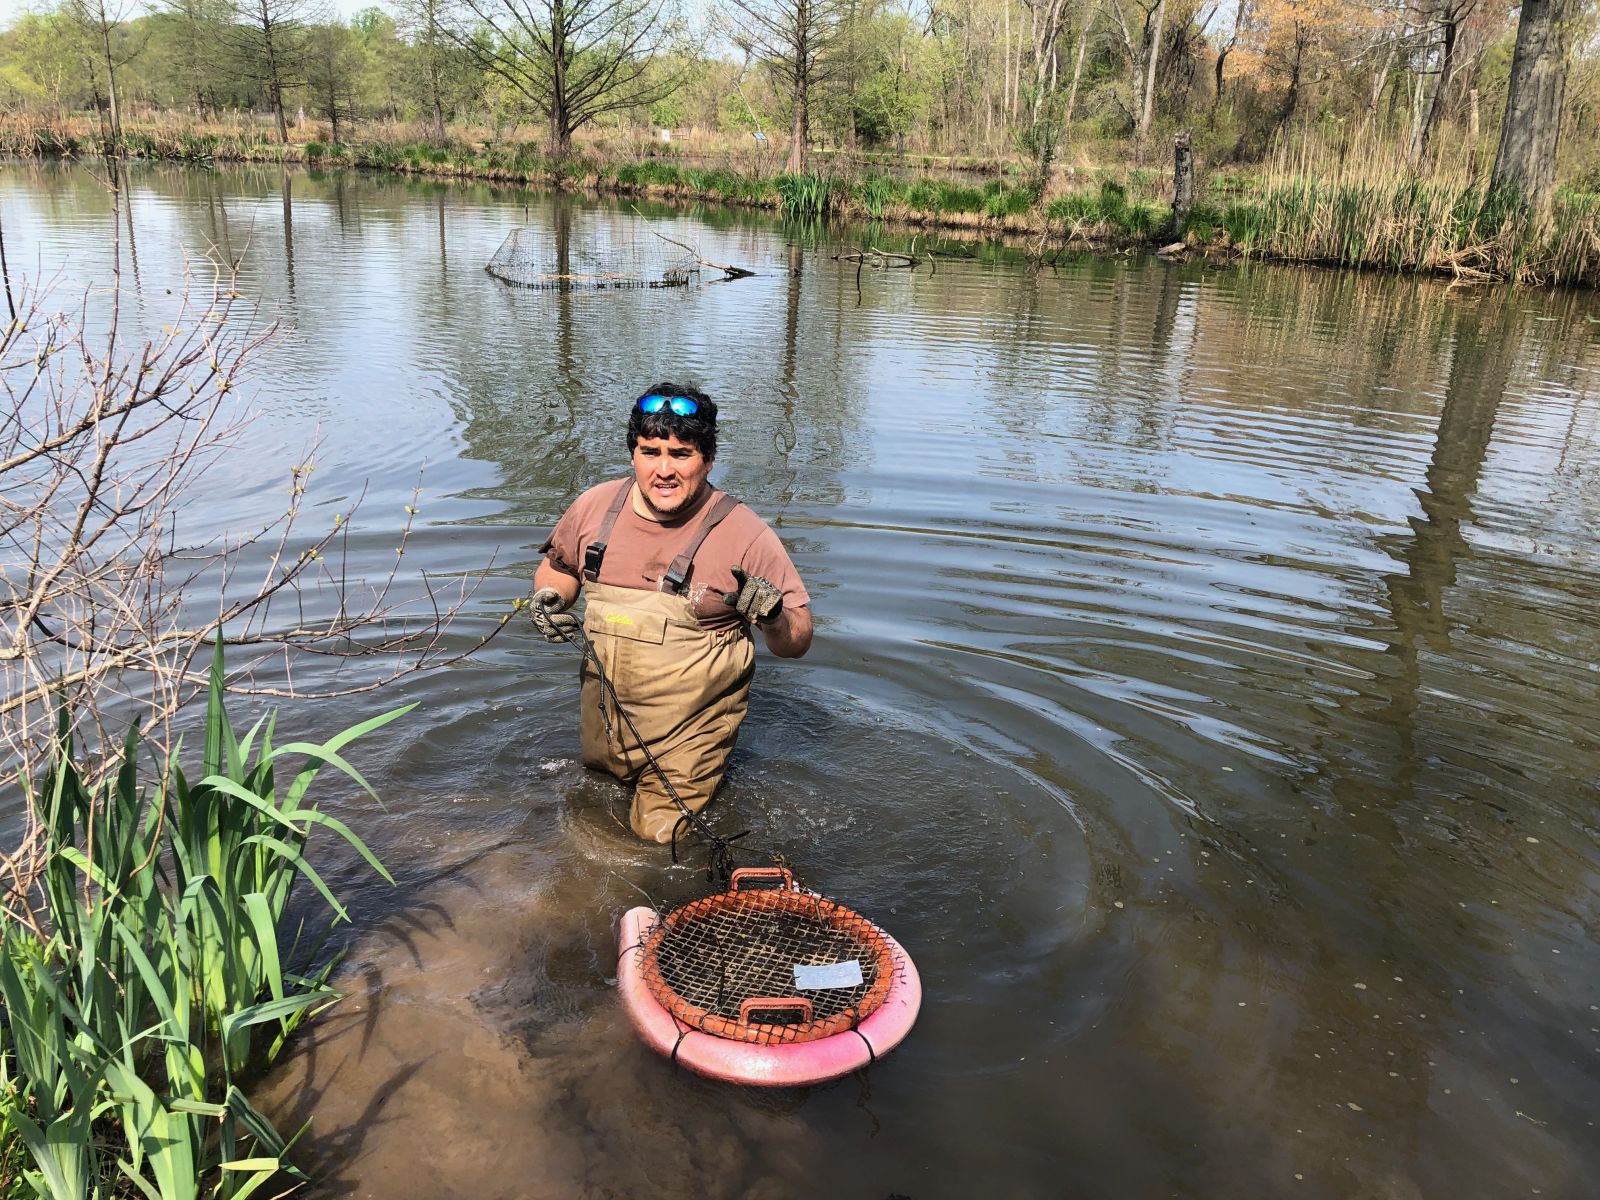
[{"x": 686, "y": 688}]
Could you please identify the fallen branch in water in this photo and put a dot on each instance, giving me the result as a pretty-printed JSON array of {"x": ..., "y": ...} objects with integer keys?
[
  {"x": 728, "y": 271},
  {"x": 880, "y": 260}
]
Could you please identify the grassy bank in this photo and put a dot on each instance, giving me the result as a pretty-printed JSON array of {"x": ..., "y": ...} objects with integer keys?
[{"x": 1376, "y": 215}]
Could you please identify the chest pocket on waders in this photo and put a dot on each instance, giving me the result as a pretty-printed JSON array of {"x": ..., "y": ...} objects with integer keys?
[{"x": 607, "y": 620}]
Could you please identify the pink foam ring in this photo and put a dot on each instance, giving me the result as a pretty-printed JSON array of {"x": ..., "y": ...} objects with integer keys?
[{"x": 796, "y": 1065}]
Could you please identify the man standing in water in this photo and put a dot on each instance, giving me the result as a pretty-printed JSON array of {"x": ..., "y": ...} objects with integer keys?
[{"x": 676, "y": 573}]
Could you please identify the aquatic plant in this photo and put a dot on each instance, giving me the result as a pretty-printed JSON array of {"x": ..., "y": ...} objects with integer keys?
[
  {"x": 1203, "y": 221},
  {"x": 1005, "y": 201},
  {"x": 1113, "y": 200},
  {"x": 647, "y": 173},
  {"x": 1074, "y": 207},
  {"x": 1106, "y": 215},
  {"x": 156, "y": 973},
  {"x": 808, "y": 193},
  {"x": 13, "y": 1151},
  {"x": 196, "y": 147},
  {"x": 875, "y": 193},
  {"x": 958, "y": 198},
  {"x": 922, "y": 195}
]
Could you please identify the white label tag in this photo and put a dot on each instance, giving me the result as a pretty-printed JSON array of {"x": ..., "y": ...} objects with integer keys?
[{"x": 811, "y": 978}]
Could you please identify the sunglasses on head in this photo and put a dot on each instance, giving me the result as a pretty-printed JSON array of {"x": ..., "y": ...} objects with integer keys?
[{"x": 681, "y": 406}]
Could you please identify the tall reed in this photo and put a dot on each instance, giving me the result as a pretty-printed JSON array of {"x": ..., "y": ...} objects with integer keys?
[
  {"x": 805, "y": 194},
  {"x": 1371, "y": 207},
  {"x": 876, "y": 192},
  {"x": 159, "y": 976}
]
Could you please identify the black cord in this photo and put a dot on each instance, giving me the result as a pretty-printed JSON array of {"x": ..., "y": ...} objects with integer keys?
[
  {"x": 685, "y": 1033},
  {"x": 872, "y": 1055},
  {"x": 719, "y": 859}
]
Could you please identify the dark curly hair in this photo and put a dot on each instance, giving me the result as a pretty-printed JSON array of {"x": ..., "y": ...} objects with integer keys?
[{"x": 699, "y": 429}]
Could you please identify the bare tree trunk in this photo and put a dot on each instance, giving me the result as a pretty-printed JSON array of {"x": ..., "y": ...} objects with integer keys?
[
  {"x": 99, "y": 103},
  {"x": 1291, "y": 98},
  {"x": 1447, "y": 66},
  {"x": 430, "y": 38},
  {"x": 1016, "y": 78},
  {"x": 275, "y": 98},
  {"x": 560, "y": 117},
  {"x": 800, "y": 127},
  {"x": 1046, "y": 30},
  {"x": 1148, "y": 110},
  {"x": 1380, "y": 79},
  {"x": 1006, "y": 83},
  {"x": 1077, "y": 67},
  {"x": 1416, "y": 115},
  {"x": 1530, "y": 132},
  {"x": 1033, "y": 42},
  {"x": 111, "y": 74},
  {"x": 274, "y": 73},
  {"x": 1240, "y": 10},
  {"x": 560, "y": 134}
]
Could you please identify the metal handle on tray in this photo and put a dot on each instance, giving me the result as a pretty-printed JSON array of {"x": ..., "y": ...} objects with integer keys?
[
  {"x": 762, "y": 879},
  {"x": 775, "y": 1010}
]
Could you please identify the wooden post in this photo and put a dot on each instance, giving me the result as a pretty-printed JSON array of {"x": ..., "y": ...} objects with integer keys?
[{"x": 1182, "y": 181}]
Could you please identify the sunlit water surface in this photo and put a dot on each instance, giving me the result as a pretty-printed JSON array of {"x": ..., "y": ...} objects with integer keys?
[{"x": 1204, "y": 692}]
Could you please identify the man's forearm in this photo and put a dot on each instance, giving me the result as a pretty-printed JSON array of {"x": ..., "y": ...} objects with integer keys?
[
  {"x": 790, "y": 635},
  {"x": 547, "y": 576}
]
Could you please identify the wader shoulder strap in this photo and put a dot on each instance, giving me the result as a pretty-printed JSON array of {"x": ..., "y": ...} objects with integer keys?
[
  {"x": 594, "y": 554},
  {"x": 678, "y": 573}
]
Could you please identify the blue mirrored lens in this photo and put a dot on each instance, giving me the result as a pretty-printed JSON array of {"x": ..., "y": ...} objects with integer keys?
[{"x": 681, "y": 405}]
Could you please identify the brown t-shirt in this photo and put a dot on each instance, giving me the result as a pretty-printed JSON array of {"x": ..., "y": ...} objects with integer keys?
[{"x": 639, "y": 551}]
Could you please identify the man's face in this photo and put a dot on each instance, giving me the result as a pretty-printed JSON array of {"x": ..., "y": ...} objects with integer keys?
[{"x": 670, "y": 473}]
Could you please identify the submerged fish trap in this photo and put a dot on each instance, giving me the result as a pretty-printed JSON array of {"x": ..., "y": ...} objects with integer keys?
[
  {"x": 616, "y": 255},
  {"x": 766, "y": 984}
]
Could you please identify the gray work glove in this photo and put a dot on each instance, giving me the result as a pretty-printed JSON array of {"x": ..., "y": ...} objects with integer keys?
[
  {"x": 757, "y": 599},
  {"x": 551, "y": 618}
]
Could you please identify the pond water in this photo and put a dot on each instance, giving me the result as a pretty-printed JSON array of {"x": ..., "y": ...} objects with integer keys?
[{"x": 1204, "y": 692}]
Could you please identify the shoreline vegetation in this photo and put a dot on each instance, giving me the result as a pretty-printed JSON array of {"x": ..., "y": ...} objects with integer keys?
[
  {"x": 162, "y": 964},
  {"x": 1305, "y": 205}
]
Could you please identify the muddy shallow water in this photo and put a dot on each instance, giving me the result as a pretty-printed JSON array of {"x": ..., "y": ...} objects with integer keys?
[{"x": 1204, "y": 693}]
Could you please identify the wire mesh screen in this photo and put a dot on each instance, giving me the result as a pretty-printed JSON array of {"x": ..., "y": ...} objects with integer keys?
[
  {"x": 617, "y": 254},
  {"x": 725, "y": 962}
]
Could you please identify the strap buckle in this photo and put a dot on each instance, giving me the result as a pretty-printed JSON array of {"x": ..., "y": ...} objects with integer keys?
[{"x": 593, "y": 555}]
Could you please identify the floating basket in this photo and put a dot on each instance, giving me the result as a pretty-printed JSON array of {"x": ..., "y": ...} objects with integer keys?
[{"x": 766, "y": 983}]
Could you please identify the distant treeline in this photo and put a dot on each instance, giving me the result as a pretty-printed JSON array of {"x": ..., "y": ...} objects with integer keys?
[{"x": 1039, "y": 82}]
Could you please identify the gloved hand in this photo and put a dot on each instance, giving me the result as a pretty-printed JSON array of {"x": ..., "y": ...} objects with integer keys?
[
  {"x": 757, "y": 599},
  {"x": 550, "y": 616}
]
